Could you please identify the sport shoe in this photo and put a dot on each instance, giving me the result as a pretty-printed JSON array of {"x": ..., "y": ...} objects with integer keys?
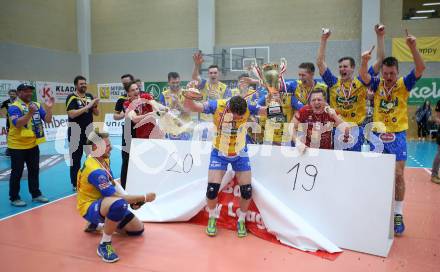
[
  {"x": 40, "y": 199},
  {"x": 92, "y": 227},
  {"x": 241, "y": 229},
  {"x": 211, "y": 229},
  {"x": 399, "y": 226},
  {"x": 18, "y": 203},
  {"x": 435, "y": 179},
  {"x": 107, "y": 253}
]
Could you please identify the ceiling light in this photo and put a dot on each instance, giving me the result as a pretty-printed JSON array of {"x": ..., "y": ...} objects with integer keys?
[
  {"x": 431, "y": 4},
  {"x": 425, "y": 11}
]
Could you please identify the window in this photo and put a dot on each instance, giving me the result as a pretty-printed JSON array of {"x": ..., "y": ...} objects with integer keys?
[{"x": 420, "y": 9}]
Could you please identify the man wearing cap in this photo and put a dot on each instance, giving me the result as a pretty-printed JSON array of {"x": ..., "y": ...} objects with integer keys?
[{"x": 25, "y": 134}]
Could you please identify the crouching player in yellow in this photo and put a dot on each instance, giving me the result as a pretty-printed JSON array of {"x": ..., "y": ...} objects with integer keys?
[
  {"x": 100, "y": 199},
  {"x": 228, "y": 147}
]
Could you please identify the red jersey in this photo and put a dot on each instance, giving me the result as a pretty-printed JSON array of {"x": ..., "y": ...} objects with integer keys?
[
  {"x": 317, "y": 125},
  {"x": 140, "y": 108}
]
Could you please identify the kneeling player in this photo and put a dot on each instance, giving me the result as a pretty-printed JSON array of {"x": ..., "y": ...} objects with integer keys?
[{"x": 100, "y": 201}]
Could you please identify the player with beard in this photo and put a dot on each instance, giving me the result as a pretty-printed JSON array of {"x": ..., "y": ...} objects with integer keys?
[{"x": 80, "y": 107}]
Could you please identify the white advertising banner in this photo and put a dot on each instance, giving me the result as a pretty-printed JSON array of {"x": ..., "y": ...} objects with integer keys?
[
  {"x": 3, "y": 133},
  {"x": 6, "y": 85},
  {"x": 321, "y": 200},
  {"x": 59, "y": 91},
  {"x": 57, "y": 130},
  {"x": 110, "y": 92},
  {"x": 112, "y": 126}
]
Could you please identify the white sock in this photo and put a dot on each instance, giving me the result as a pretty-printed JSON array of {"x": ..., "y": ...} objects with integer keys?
[
  {"x": 211, "y": 213},
  {"x": 106, "y": 238},
  {"x": 398, "y": 208},
  {"x": 241, "y": 215}
]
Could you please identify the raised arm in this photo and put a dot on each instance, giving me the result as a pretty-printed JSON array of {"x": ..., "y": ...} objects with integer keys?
[
  {"x": 418, "y": 61},
  {"x": 363, "y": 70},
  {"x": 380, "y": 34},
  {"x": 320, "y": 60},
  {"x": 198, "y": 60}
]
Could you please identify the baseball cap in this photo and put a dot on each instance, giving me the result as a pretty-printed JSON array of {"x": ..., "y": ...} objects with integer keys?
[{"x": 25, "y": 86}]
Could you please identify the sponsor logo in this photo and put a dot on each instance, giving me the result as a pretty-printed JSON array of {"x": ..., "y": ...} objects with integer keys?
[
  {"x": 387, "y": 137},
  {"x": 46, "y": 92},
  {"x": 425, "y": 92},
  {"x": 388, "y": 106},
  {"x": 346, "y": 103},
  {"x": 154, "y": 90}
]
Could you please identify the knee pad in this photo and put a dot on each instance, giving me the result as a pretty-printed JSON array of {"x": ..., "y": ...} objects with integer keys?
[
  {"x": 246, "y": 191},
  {"x": 135, "y": 233},
  {"x": 127, "y": 218},
  {"x": 117, "y": 210},
  {"x": 212, "y": 190}
]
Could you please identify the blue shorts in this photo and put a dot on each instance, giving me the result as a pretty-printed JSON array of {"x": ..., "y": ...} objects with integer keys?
[
  {"x": 239, "y": 163},
  {"x": 393, "y": 143},
  {"x": 93, "y": 214},
  {"x": 358, "y": 137}
]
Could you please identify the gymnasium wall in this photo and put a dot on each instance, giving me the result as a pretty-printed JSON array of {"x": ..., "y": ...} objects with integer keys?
[
  {"x": 142, "y": 37},
  {"x": 38, "y": 40},
  {"x": 284, "y": 21}
]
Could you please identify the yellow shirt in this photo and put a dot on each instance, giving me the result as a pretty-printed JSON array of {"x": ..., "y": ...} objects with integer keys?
[
  {"x": 274, "y": 130},
  {"x": 87, "y": 191},
  {"x": 212, "y": 92},
  {"x": 348, "y": 98},
  {"x": 230, "y": 136},
  {"x": 302, "y": 93},
  {"x": 391, "y": 106},
  {"x": 32, "y": 133}
]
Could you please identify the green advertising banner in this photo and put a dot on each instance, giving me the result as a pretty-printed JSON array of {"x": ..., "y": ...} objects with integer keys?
[{"x": 425, "y": 89}]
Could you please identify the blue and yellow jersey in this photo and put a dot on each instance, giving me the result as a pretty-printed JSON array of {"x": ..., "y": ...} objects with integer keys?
[
  {"x": 391, "y": 105},
  {"x": 349, "y": 98},
  {"x": 32, "y": 133},
  {"x": 213, "y": 92},
  {"x": 301, "y": 92},
  {"x": 273, "y": 129},
  {"x": 230, "y": 137},
  {"x": 93, "y": 183}
]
